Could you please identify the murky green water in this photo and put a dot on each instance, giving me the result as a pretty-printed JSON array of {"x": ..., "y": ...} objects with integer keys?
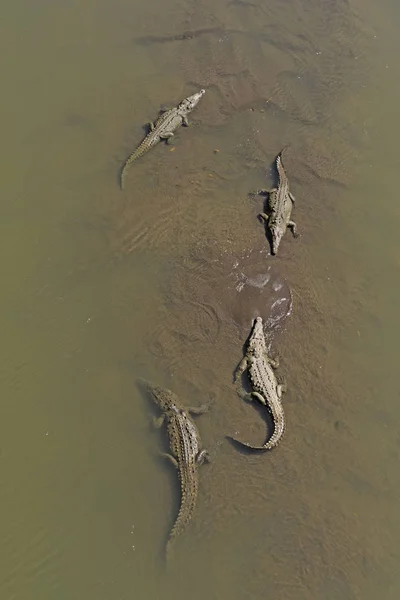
[{"x": 162, "y": 280}]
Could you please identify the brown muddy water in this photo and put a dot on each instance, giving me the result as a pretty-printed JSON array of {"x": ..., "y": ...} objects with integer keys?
[{"x": 161, "y": 281}]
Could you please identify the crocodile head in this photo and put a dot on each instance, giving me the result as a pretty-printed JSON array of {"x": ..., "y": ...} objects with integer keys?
[
  {"x": 161, "y": 397},
  {"x": 189, "y": 103},
  {"x": 257, "y": 337},
  {"x": 276, "y": 236}
]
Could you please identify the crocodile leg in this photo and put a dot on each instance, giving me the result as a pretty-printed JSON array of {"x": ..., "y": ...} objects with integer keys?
[
  {"x": 292, "y": 225},
  {"x": 293, "y": 199},
  {"x": 171, "y": 458},
  {"x": 202, "y": 456},
  {"x": 198, "y": 410},
  {"x": 274, "y": 362},
  {"x": 259, "y": 397},
  {"x": 265, "y": 192},
  {"x": 185, "y": 121},
  {"x": 249, "y": 397},
  {"x": 151, "y": 126},
  {"x": 167, "y": 135},
  {"x": 158, "y": 421},
  {"x": 240, "y": 369},
  {"x": 281, "y": 389},
  {"x": 263, "y": 217}
]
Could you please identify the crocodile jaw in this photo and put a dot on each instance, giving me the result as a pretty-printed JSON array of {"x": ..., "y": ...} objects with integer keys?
[
  {"x": 257, "y": 338},
  {"x": 159, "y": 395},
  {"x": 188, "y": 104},
  {"x": 276, "y": 235}
]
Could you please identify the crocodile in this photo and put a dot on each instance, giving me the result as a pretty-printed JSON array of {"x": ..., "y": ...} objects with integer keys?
[
  {"x": 186, "y": 450},
  {"x": 265, "y": 387},
  {"x": 163, "y": 128},
  {"x": 280, "y": 204}
]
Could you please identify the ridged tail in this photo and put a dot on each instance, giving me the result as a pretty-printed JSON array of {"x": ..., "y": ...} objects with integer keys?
[
  {"x": 278, "y": 159},
  {"x": 186, "y": 510},
  {"x": 283, "y": 150},
  {"x": 272, "y": 443},
  {"x": 140, "y": 150},
  {"x": 279, "y": 430}
]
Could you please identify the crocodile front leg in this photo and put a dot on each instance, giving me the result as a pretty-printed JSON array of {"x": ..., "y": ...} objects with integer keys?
[
  {"x": 274, "y": 362},
  {"x": 198, "y": 410},
  {"x": 158, "y": 421},
  {"x": 293, "y": 199},
  {"x": 185, "y": 121},
  {"x": 292, "y": 225},
  {"x": 240, "y": 369},
  {"x": 263, "y": 217},
  {"x": 265, "y": 192}
]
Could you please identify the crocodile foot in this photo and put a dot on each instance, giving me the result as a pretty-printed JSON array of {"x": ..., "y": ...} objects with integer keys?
[
  {"x": 202, "y": 457},
  {"x": 169, "y": 457},
  {"x": 292, "y": 225}
]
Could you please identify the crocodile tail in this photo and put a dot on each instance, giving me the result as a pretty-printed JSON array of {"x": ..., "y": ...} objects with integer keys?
[
  {"x": 278, "y": 418},
  {"x": 283, "y": 150},
  {"x": 275, "y": 438},
  {"x": 279, "y": 165},
  {"x": 279, "y": 430},
  {"x": 186, "y": 511},
  {"x": 169, "y": 554},
  {"x": 278, "y": 159},
  {"x": 140, "y": 150},
  {"x": 249, "y": 446}
]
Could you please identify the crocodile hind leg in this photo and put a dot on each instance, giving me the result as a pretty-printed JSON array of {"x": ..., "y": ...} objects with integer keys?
[
  {"x": 281, "y": 389},
  {"x": 151, "y": 126},
  {"x": 202, "y": 456},
  {"x": 167, "y": 136},
  {"x": 169, "y": 457},
  {"x": 293, "y": 199},
  {"x": 260, "y": 398},
  {"x": 292, "y": 225},
  {"x": 249, "y": 397}
]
